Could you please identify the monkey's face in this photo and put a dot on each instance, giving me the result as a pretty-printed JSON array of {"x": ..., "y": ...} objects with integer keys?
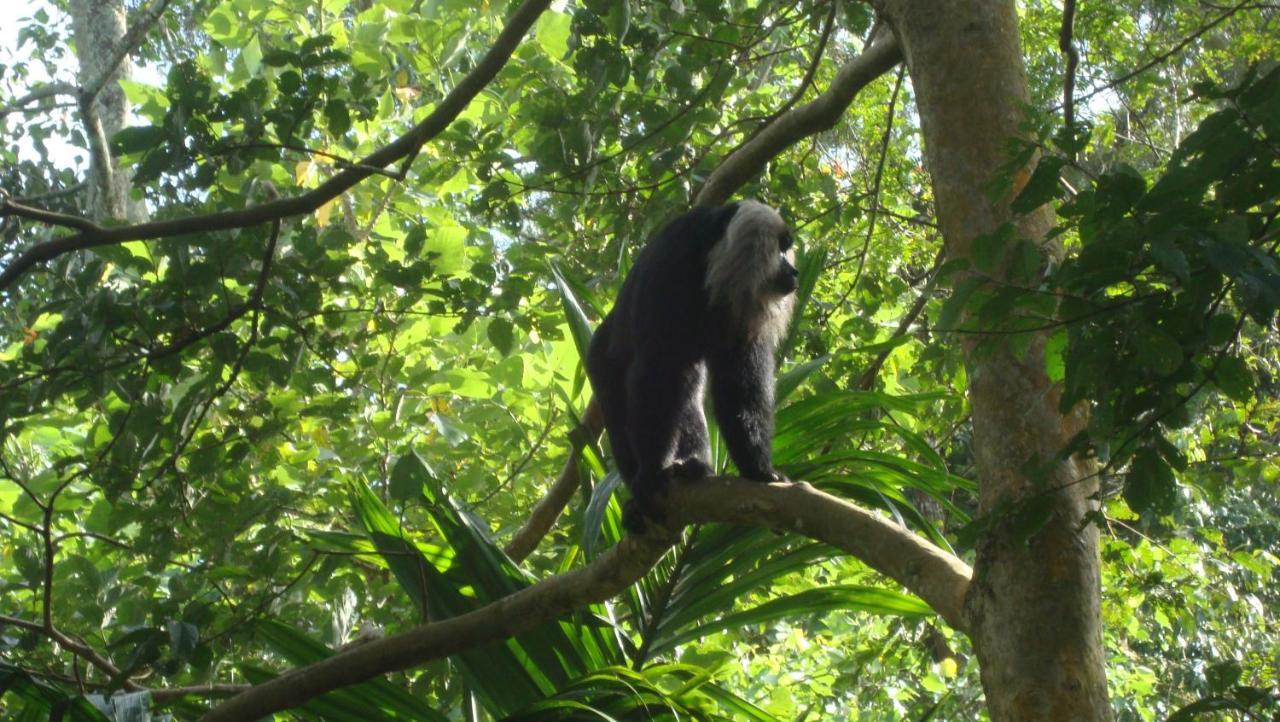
[
  {"x": 785, "y": 278},
  {"x": 752, "y": 271}
]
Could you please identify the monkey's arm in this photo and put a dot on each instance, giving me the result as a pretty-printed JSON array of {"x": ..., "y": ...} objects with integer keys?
[{"x": 742, "y": 393}]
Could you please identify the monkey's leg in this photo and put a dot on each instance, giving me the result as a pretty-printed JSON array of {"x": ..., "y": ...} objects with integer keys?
[
  {"x": 693, "y": 445},
  {"x": 658, "y": 388},
  {"x": 609, "y": 383},
  {"x": 742, "y": 395}
]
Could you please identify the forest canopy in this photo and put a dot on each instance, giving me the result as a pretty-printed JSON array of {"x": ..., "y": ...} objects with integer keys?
[{"x": 295, "y": 297}]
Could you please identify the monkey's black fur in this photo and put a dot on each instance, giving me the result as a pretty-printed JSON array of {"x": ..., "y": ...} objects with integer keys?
[{"x": 712, "y": 291}]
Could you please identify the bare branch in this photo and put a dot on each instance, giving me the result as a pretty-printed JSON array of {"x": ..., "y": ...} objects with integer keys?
[
  {"x": 49, "y": 195},
  {"x": 449, "y": 108},
  {"x": 935, "y": 575},
  {"x": 102, "y": 165},
  {"x": 45, "y": 91},
  {"x": 817, "y": 115},
  {"x": 11, "y": 208},
  {"x": 5, "y": 619},
  {"x": 548, "y": 509}
]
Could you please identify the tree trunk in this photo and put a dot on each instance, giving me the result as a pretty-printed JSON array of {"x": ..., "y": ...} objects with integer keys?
[
  {"x": 1033, "y": 607},
  {"x": 99, "y": 27}
]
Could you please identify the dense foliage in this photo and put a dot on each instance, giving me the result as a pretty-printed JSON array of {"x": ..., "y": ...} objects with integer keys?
[{"x": 226, "y": 454}]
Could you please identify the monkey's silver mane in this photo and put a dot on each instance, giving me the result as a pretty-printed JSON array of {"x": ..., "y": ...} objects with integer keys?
[{"x": 741, "y": 268}]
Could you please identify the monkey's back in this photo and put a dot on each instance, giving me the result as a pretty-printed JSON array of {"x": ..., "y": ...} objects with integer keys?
[{"x": 662, "y": 305}]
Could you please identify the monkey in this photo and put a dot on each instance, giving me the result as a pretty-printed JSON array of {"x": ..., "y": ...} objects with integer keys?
[{"x": 709, "y": 297}]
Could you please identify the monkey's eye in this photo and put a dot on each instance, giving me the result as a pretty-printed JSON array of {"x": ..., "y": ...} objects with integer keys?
[{"x": 785, "y": 241}]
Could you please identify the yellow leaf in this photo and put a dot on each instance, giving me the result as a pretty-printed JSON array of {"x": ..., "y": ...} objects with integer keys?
[
  {"x": 948, "y": 667},
  {"x": 322, "y": 213},
  {"x": 300, "y": 171}
]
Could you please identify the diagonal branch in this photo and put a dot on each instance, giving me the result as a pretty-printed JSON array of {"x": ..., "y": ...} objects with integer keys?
[
  {"x": 817, "y": 115},
  {"x": 933, "y": 574},
  {"x": 133, "y": 36},
  {"x": 408, "y": 144},
  {"x": 544, "y": 514}
]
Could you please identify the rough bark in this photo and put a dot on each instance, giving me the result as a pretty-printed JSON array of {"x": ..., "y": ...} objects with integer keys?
[
  {"x": 99, "y": 27},
  {"x": 1033, "y": 607}
]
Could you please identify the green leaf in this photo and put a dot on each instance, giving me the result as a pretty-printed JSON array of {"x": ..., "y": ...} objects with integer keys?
[
  {"x": 1149, "y": 485},
  {"x": 1223, "y": 676},
  {"x": 1055, "y": 355},
  {"x": 27, "y": 698},
  {"x": 579, "y": 326},
  {"x": 1235, "y": 378},
  {"x": 1042, "y": 186},
  {"x": 791, "y": 379},
  {"x": 137, "y": 139},
  {"x": 409, "y": 476},
  {"x": 841, "y": 597},
  {"x": 1158, "y": 351},
  {"x": 1170, "y": 258},
  {"x": 501, "y": 334},
  {"x": 553, "y": 33},
  {"x": 988, "y": 250},
  {"x": 183, "y": 638}
]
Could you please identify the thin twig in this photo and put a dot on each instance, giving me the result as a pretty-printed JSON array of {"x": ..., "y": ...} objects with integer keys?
[
  {"x": 805, "y": 82},
  {"x": 254, "y": 304},
  {"x": 1120, "y": 79},
  {"x": 875, "y": 193},
  {"x": 868, "y": 377},
  {"x": 449, "y": 108},
  {"x": 800, "y": 122}
]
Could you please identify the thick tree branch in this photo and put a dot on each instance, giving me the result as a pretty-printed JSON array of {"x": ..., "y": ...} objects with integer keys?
[
  {"x": 170, "y": 694},
  {"x": 408, "y": 144},
  {"x": 817, "y": 115},
  {"x": 548, "y": 509},
  {"x": 1068, "y": 47},
  {"x": 935, "y": 575}
]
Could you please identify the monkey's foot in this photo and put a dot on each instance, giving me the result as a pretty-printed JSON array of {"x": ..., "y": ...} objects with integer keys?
[
  {"x": 691, "y": 469},
  {"x": 637, "y": 516}
]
